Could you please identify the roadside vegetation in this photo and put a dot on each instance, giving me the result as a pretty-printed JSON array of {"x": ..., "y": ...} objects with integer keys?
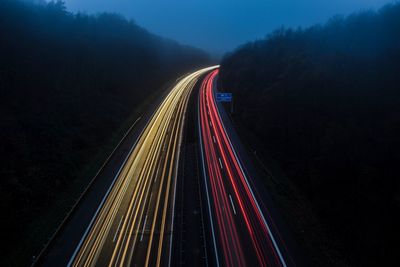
[
  {"x": 324, "y": 104},
  {"x": 70, "y": 85}
]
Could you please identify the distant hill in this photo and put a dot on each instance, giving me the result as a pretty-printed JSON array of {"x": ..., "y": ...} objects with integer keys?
[
  {"x": 69, "y": 86},
  {"x": 324, "y": 103}
]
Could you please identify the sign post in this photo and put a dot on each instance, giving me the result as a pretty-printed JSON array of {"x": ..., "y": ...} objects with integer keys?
[{"x": 225, "y": 97}]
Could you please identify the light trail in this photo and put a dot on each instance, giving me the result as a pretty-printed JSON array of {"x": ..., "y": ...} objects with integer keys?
[
  {"x": 245, "y": 239},
  {"x": 142, "y": 194}
]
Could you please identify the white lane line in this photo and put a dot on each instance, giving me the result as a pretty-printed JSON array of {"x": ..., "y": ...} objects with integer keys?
[
  {"x": 233, "y": 206},
  {"x": 144, "y": 225},
  {"x": 116, "y": 232},
  {"x": 155, "y": 179},
  {"x": 220, "y": 163},
  {"x": 214, "y": 139},
  {"x": 158, "y": 170},
  {"x": 210, "y": 124}
]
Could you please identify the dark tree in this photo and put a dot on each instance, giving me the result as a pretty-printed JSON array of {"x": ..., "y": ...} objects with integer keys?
[
  {"x": 69, "y": 86},
  {"x": 330, "y": 103}
]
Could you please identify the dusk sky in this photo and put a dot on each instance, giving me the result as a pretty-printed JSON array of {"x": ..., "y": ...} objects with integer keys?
[{"x": 218, "y": 26}]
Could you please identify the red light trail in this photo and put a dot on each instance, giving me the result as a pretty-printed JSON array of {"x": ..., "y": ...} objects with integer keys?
[{"x": 244, "y": 236}]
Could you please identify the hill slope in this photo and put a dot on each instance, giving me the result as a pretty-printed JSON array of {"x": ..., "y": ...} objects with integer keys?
[
  {"x": 330, "y": 104},
  {"x": 70, "y": 84}
]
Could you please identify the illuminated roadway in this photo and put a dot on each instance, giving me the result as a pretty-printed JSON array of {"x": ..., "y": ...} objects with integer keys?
[
  {"x": 241, "y": 234},
  {"x": 133, "y": 224}
]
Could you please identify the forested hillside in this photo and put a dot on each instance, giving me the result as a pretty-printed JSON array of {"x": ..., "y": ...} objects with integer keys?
[
  {"x": 69, "y": 86},
  {"x": 324, "y": 103}
]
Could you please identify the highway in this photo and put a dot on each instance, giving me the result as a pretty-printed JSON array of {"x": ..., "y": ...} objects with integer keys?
[
  {"x": 161, "y": 208},
  {"x": 241, "y": 234},
  {"x": 133, "y": 224}
]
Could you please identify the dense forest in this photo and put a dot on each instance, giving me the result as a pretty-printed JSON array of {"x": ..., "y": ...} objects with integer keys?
[
  {"x": 69, "y": 86},
  {"x": 324, "y": 104}
]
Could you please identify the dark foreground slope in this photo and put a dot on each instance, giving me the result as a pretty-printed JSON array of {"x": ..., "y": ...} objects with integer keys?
[
  {"x": 70, "y": 85},
  {"x": 324, "y": 103}
]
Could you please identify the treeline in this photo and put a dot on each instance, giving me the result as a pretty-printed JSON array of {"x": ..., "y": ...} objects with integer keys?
[
  {"x": 324, "y": 103},
  {"x": 69, "y": 84}
]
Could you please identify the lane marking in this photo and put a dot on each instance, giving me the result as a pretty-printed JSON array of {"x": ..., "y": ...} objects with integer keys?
[
  {"x": 119, "y": 225},
  {"x": 158, "y": 169},
  {"x": 214, "y": 139},
  {"x": 233, "y": 206},
  {"x": 144, "y": 225},
  {"x": 220, "y": 163}
]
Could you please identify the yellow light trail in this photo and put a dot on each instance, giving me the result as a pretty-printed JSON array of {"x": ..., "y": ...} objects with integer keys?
[{"x": 135, "y": 218}]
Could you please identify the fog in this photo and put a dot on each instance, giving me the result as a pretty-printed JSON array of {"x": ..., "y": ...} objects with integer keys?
[{"x": 220, "y": 26}]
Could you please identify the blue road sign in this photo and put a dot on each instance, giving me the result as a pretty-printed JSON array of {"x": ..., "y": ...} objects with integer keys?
[{"x": 224, "y": 97}]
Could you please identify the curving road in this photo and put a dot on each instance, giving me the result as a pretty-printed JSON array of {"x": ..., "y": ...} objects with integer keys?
[
  {"x": 241, "y": 234},
  {"x": 133, "y": 224}
]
